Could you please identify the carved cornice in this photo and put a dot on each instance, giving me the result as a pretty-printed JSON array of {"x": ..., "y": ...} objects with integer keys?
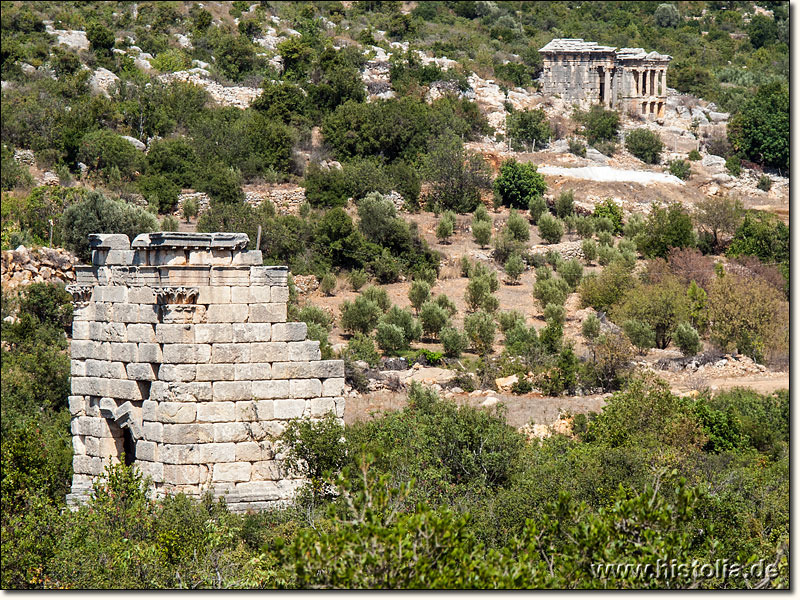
[
  {"x": 81, "y": 294},
  {"x": 176, "y": 295}
]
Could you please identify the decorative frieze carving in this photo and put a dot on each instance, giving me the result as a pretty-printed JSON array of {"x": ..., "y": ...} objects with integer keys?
[{"x": 176, "y": 295}]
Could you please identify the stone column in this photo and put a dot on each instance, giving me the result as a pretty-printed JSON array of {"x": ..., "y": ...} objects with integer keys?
[
  {"x": 663, "y": 82},
  {"x": 607, "y": 91},
  {"x": 643, "y": 76}
]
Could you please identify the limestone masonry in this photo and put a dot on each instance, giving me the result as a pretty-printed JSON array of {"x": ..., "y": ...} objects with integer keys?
[
  {"x": 628, "y": 79},
  {"x": 182, "y": 359}
]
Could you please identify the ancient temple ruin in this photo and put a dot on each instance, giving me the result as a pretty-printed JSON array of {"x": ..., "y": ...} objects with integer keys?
[
  {"x": 628, "y": 79},
  {"x": 184, "y": 363}
]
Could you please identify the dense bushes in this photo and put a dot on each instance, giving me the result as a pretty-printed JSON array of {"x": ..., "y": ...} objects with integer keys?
[
  {"x": 666, "y": 228},
  {"x": 457, "y": 177},
  {"x": 760, "y": 131},
  {"x": 98, "y": 214},
  {"x": 644, "y": 145},
  {"x": 599, "y": 124},
  {"x": 527, "y": 128},
  {"x": 518, "y": 183}
]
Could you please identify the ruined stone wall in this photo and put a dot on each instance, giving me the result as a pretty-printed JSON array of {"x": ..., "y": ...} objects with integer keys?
[
  {"x": 182, "y": 359},
  {"x": 586, "y": 73}
]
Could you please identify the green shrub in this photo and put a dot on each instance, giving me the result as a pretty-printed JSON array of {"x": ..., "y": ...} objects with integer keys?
[
  {"x": 444, "y": 229},
  {"x": 456, "y": 176},
  {"x": 521, "y": 386},
  {"x": 761, "y": 235},
  {"x": 528, "y": 127},
  {"x": 635, "y": 225},
  {"x": 403, "y": 318},
  {"x": 694, "y": 155},
  {"x": 598, "y": 123},
  {"x": 602, "y": 291},
  {"x": 667, "y": 15},
  {"x": 418, "y": 293},
  {"x": 174, "y": 158},
  {"x": 447, "y": 304},
  {"x": 378, "y": 295},
  {"x": 482, "y": 233},
  {"x": 589, "y": 249},
  {"x": 680, "y": 169},
  {"x": 759, "y": 130},
  {"x": 555, "y": 312},
  {"x": 607, "y": 254},
  {"x": 362, "y": 347},
  {"x": 433, "y": 318},
  {"x": 481, "y": 214},
  {"x": 640, "y": 334},
  {"x": 733, "y": 165},
  {"x": 169, "y": 223},
  {"x": 160, "y": 190},
  {"x": 536, "y": 208},
  {"x": 103, "y": 151},
  {"x": 325, "y": 187},
  {"x": 171, "y": 60},
  {"x": 584, "y": 226},
  {"x": 607, "y": 148},
  {"x": 13, "y": 173},
  {"x": 661, "y": 305},
  {"x": 390, "y": 338},
  {"x": 99, "y": 214},
  {"x": 101, "y": 38},
  {"x": 480, "y": 329},
  {"x": 518, "y": 183},
  {"x": 551, "y": 337},
  {"x": 577, "y": 147},
  {"x": 603, "y": 225},
  {"x": 565, "y": 204},
  {"x": 479, "y": 295},
  {"x": 314, "y": 314},
  {"x": 572, "y": 272},
  {"x": 425, "y": 275},
  {"x": 550, "y": 228},
  {"x": 508, "y": 319},
  {"x": 552, "y": 290},
  {"x": 610, "y": 209},
  {"x": 514, "y": 267},
  {"x": 315, "y": 449},
  {"x": 687, "y": 339},
  {"x": 517, "y": 227},
  {"x": 357, "y": 279},
  {"x": 666, "y": 228},
  {"x": 327, "y": 284},
  {"x": 359, "y": 316},
  {"x": 453, "y": 341},
  {"x": 189, "y": 209},
  {"x": 224, "y": 186},
  {"x": 605, "y": 238},
  {"x": 590, "y": 327},
  {"x": 644, "y": 145},
  {"x": 764, "y": 183}
]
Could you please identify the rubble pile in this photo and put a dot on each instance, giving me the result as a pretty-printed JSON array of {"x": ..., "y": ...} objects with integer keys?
[{"x": 24, "y": 266}]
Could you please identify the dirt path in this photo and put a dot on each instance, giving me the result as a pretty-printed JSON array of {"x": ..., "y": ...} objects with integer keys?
[
  {"x": 519, "y": 410},
  {"x": 765, "y": 383}
]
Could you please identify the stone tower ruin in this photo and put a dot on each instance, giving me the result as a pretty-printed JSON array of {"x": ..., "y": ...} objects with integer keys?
[
  {"x": 183, "y": 362},
  {"x": 586, "y": 73}
]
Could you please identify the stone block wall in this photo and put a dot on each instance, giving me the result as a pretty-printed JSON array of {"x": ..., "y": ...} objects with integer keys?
[{"x": 183, "y": 360}]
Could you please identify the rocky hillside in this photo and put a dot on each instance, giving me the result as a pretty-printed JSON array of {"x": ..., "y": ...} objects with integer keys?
[{"x": 360, "y": 140}]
